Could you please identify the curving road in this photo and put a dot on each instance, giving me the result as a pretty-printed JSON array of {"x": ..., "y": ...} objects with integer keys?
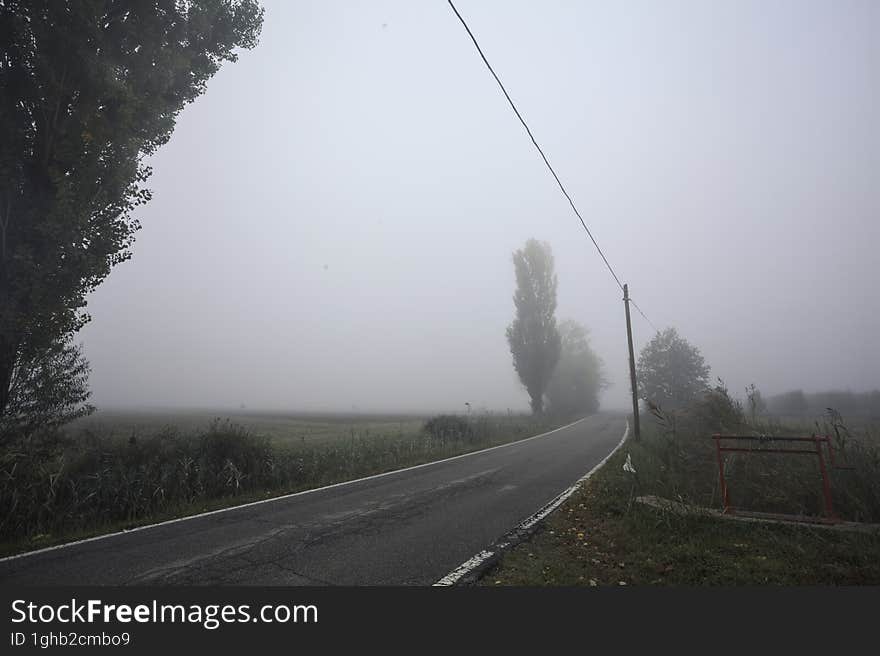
[{"x": 409, "y": 527}]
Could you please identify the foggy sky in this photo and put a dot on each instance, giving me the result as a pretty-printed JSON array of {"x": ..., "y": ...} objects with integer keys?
[{"x": 333, "y": 221}]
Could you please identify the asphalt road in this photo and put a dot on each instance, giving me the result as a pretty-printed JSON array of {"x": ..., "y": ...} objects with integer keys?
[{"x": 407, "y": 528}]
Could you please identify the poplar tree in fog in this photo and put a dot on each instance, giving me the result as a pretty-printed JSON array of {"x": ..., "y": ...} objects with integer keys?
[
  {"x": 88, "y": 89},
  {"x": 533, "y": 336}
]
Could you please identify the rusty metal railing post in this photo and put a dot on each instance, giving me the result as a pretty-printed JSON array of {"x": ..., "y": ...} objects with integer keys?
[
  {"x": 725, "y": 499},
  {"x": 826, "y": 484}
]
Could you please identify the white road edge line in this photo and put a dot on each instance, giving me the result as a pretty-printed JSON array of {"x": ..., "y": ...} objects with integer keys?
[
  {"x": 285, "y": 496},
  {"x": 523, "y": 527}
]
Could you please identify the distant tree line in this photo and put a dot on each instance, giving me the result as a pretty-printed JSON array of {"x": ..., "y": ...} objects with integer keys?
[{"x": 797, "y": 403}]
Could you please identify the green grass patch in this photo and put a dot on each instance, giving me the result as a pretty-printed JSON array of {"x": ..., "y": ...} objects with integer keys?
[{"x": 282, "y": 429}]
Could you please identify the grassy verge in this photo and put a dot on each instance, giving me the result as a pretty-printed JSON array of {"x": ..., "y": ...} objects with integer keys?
[
  {"x": 600, "y": 536},
  {"x": 71, "y": 485}
]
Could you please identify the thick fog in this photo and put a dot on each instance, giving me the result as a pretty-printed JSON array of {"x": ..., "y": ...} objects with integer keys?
[{"x": 333, "y": 221}]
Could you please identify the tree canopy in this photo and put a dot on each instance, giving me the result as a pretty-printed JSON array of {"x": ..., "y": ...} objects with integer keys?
[
  {"x": 578, "y": 377},
  {"x": 670, "y": 371},
  {"x": 48, "y": 388},
  {"x": 533, "y": 337},
  {"x": 87, "y": 90}
]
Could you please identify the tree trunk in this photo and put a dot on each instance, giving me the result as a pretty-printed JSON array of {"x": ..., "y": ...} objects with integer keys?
[
  {"x": 7, "y": 362},
  {"x": 537, "y": 403}
]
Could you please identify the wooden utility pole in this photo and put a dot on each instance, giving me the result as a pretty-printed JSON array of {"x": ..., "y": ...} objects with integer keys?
[{"x": 632, "y": 366}]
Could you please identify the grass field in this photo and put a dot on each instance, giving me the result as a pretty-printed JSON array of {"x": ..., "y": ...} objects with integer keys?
[{"x": 283, "y": 429}]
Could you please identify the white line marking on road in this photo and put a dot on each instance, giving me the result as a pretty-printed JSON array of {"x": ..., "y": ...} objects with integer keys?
[
  {"x": 285, "y": 496},
  {"x": 523, "y": 527}
]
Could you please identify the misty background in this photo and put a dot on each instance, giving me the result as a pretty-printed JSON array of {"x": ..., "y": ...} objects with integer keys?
[{"x": 333, "y": 221}]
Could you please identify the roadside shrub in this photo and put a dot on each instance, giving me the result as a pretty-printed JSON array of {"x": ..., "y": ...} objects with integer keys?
[
  {"x": 231, "y": 459},
  {"x": 449, "y": 427},
  {"x": 49, "y": 480},
  {"x": 717, "y": 411},
  {"x": 487, "y": 427}
]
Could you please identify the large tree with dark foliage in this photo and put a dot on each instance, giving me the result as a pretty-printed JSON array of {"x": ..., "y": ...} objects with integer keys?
[
  {"x": 671, "y": 372},
  {"x": 533, "y": 337},
  {"x": 87, "y": 90},
  {"x": 49, "y": 387}
]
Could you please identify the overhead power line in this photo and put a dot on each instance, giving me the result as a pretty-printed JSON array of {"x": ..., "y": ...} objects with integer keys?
[
  {"x": 651, "y": 323},
  {"x": 534, "y": 141},
  {"x": 544, "y": 157}
]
